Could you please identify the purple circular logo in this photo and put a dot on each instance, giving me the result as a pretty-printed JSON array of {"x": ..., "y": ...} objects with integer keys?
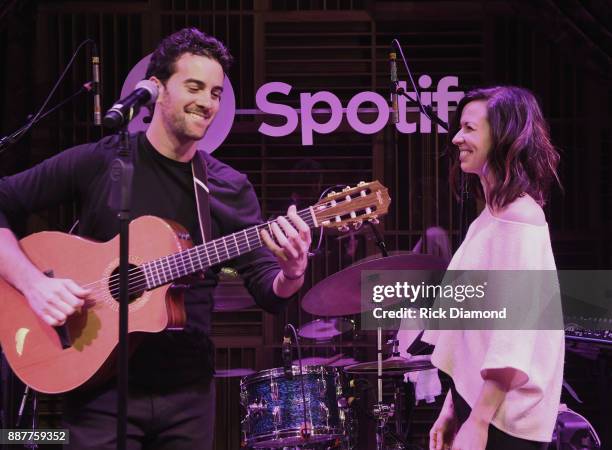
[{"x": 218, "y": 129}]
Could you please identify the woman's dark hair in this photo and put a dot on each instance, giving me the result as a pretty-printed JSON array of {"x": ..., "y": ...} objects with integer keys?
[
  {"x": 522, "y": 158},
  {"x": 187, "y": 40}
]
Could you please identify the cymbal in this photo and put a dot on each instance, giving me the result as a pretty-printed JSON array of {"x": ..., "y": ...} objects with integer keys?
[
  {"x": 339, "y": 360},
  {"x": 325, "y": 330},
  {"x": 393, "y": 366},
  {"x": 229, "y": 373},
  {"x": 340, "y": 293}
]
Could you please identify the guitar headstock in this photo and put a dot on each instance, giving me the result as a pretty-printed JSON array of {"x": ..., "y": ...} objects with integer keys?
[{"x": 353, "y": 206}]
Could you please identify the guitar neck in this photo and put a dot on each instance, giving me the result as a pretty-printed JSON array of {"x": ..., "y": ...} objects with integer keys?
[{"x": 172, "y": 267}]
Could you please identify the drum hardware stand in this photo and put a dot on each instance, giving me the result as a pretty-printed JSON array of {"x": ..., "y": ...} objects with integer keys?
[
  {"x": 381, "y": 411},
  {"x": 398, "y": 401},
  {"x": 397, "y": 398}
]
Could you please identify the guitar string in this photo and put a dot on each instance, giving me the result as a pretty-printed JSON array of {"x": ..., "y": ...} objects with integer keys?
[
  {"x": 139, "y": 283},
  {"x": 171, "y": 263},
  {"x": 174, "y": 264},
  {"x": 242, "y": 239},
  {"x": 141, "y": 278},
  {"x": 138, "y": 278},
  {"x": 170, "y": 266}
]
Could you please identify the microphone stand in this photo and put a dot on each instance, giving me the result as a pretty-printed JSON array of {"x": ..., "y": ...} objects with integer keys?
[
  {"x": 12, "y": 138},
  {"x": 436, "y": 119},
  {"x": 427, "y": 109},
  {"x": 120, "y": 200},
  {"x": 380, "y": 243}
]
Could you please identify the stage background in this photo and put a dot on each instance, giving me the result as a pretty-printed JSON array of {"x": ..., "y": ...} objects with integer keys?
[{"x": 560, "y": 50}]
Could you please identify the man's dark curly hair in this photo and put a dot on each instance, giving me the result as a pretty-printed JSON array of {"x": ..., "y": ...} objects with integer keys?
[{"x": 187, "y": 40}]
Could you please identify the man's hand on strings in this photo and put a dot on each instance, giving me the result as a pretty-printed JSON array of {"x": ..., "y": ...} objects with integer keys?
[{"x": 290, "y": 242}]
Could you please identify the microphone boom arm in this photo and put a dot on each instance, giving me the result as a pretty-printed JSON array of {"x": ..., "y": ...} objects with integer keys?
[{"x": 427, "y": 109}]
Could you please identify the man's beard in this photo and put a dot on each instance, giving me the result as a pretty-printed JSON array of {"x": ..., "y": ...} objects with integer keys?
[
  {"x": 183, "y": 131},
  {"x": 179, "y": 124}
]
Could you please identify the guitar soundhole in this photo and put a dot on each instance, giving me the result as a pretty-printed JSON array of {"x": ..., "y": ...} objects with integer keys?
[{"x": 137, "y": 283}]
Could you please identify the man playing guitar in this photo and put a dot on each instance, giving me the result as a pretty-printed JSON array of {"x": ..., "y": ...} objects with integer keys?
[{"x": 171, "y": 397}]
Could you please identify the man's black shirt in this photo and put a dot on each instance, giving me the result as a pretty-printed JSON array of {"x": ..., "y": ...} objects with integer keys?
[{"x": 161, "y": 187}]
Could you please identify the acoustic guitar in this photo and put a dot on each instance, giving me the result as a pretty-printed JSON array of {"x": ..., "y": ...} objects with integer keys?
[{"x": 58, "y": 359}]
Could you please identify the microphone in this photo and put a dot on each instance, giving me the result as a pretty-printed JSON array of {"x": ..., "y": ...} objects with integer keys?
[
  {"x": 95, "y": 68},
  {"x": 393, "y": 86},
  {"x": 286, "y": 353},
  {"x": 144, "y": 93}
]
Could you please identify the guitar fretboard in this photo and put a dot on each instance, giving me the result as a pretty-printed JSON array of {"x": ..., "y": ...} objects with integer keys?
[{"x": 169, "y": 268}]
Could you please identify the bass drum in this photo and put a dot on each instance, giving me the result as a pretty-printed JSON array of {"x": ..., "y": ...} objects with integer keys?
[{"x": 274, "y": 408}]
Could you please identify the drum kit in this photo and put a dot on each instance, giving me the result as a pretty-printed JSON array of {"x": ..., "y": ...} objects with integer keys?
[{"x": 313, "y": 402}]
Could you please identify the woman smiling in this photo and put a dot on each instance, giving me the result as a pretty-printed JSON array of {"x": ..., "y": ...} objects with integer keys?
[{"x": 506, "y": 384}]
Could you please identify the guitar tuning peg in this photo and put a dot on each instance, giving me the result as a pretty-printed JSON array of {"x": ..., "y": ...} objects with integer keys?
[
  {"x": 343, "y": 228},
  {"x": 357, "y": 224},
  {"x": 374, "y": 220},
  {"x": 332, "y": 193},
  {"x": 348, "y": 188},
  {"x": 361, "y": 183}
]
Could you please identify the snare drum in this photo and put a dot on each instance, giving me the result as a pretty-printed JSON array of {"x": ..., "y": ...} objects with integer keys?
[{"x": 275, "y": 408}]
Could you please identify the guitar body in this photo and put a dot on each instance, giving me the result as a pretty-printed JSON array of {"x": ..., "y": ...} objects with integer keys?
[
  {"x": 54, "y": 360},
  {"x": 34, "y": 349}
]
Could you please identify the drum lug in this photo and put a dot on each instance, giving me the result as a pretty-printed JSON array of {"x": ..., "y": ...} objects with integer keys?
[
  {"x": 322, "y": 385},
  {"x": 244, "y": 398},
  {"x": 245, "y": 427},
  {"x": 276, "y": 415},
  {"x": 274, "y": 391},
  {"x": 325, "y": 411},
  {"x": 257, "y": 407},
  {"x": 383, "y": 410}
]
